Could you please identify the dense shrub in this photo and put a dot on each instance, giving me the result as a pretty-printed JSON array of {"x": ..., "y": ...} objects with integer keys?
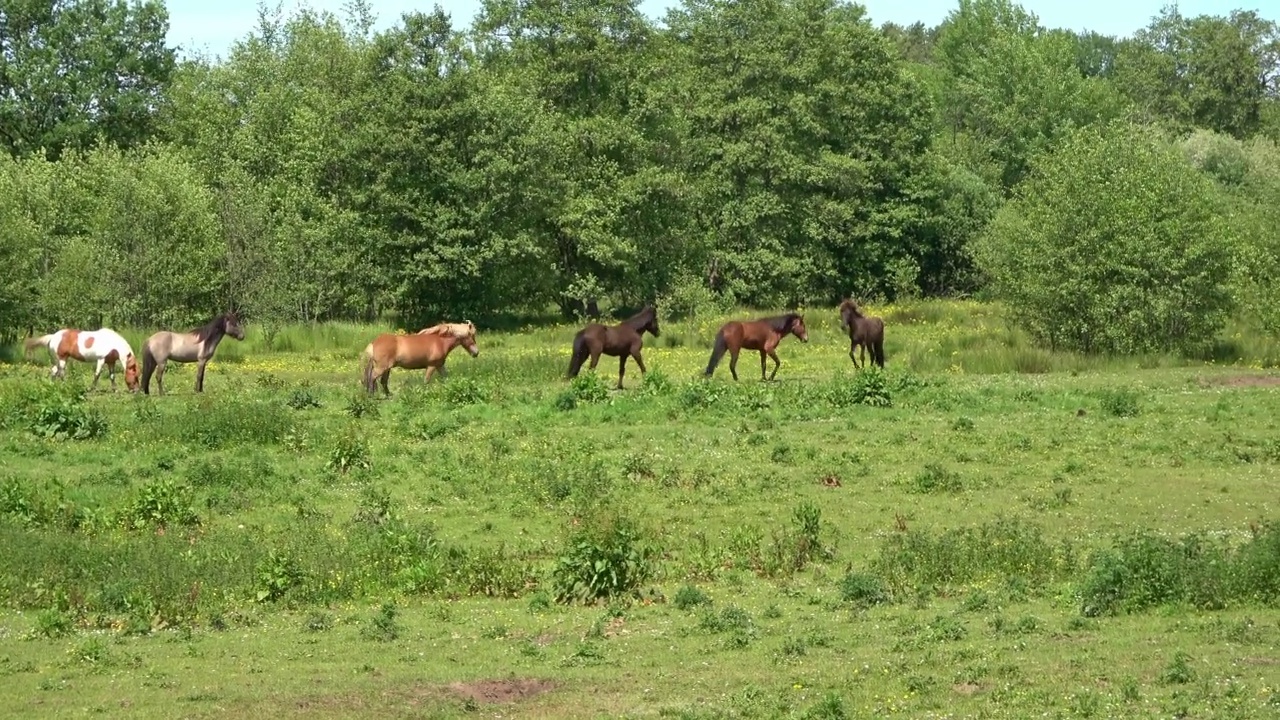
[{"x": 1114, "y": 244}]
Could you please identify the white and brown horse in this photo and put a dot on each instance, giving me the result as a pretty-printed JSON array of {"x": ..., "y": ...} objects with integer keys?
[
  {"x": 104, "y": 346},
  {"x": 196, "y": 346},
  {"x": 427, "y": 349}
]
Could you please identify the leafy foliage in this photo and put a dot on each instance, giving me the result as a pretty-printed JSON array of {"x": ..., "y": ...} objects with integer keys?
[
  {"x": 1115, "y": 244},
  {"x": 607, "y": 557}
]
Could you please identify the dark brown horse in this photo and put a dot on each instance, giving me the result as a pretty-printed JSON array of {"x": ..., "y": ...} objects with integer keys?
[
  {"x": 864, "y": 332},
  {"x": 763, "y": 335},
  {"x": 620, "y": 341}
]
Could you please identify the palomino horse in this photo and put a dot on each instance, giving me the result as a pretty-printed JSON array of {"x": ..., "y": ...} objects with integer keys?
[
  {"x": 440, "y": 329},
  {"x": 427, "y": 349},
  {"x": 196, "y": 346},
  {"x": 864, "y": 332},
  {"x": 104, "y": 345},
  {"x": 763, "y": 335},
  {"x": 621, "y": 341}
]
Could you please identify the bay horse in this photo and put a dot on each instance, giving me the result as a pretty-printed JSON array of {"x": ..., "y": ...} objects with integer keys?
[
  {"x": 196, "y": 346},
  {"x": 864, "y": 332},
  {"x": 103, "y": 345},
  {"x": 427, "y": 349},
  {"x": 763, "y": 335},
  {"x": 621, "y": 341}
]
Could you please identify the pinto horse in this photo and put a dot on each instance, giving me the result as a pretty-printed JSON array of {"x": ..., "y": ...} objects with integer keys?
[
  {"x": 196, "y": 346},
  {"x": 864, "y": 332},
  {"x": 427, "y": 349},
  {"x": 763, "y": 335},
  {"x": 104, "y": 345},
  {"x": 621, "y": 341}
]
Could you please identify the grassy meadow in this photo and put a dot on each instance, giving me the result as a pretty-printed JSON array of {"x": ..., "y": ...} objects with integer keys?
[{"x": 983, "y": 530}]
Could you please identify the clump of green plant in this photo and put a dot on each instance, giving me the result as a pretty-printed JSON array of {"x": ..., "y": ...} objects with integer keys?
[
  {"x": 466, "y": 391},
  {"x": 608, "y": 556},
  {"x": 362, "y": 405},
  {"x": 1119, "y": 402},
  {"x": 161, "y": 503},
  {"x": 700, "y": 395},
  {"x": 302, "y": 398},
  {"x": 935, "y": 478},
  {"x": 656, "y": 384},
  {"x": 585, "y": 389},
  {"x": 227, "y": 422},
  {"x": 351, "y": 452},
  {"x": 863, "y": 589},
  {"x": 58, "y": 412},
  {"x": 689, "y": 596},
  {"x": 1146, "y": 570},
  {"x": 275, "y": 575},
  {"x": 795, "y": 547},
  {"x": 868, "y": 386},
  {"x": 384, "y": 625}
]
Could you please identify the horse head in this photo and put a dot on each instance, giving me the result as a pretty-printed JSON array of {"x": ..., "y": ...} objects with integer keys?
[
  {"x": 231, "y": 325},
  {"x": 131, "y": 380},
  {"x": 795, "y": 325},
  {"x": 652, "y": 324},
  {"x": 466, "y": 332}
]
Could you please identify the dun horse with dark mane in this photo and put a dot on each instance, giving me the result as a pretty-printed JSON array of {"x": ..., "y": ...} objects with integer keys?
[
  {"x": 196, "y": 346},
  {"x": 763, "y": 335},
  {"x": 621, "y": 341},
  {"x": 864, "y": 332},
  {"x": 427, "y": 350}
]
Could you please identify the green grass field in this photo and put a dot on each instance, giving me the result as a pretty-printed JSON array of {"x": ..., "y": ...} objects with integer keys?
[{"x": 984, "y": 530}]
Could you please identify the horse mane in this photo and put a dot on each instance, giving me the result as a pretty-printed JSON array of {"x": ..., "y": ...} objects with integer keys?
[
  {"x": 462, "y": 329},
  {"x": 781, "y": 323},
  {"x": 639, "y": 320},
  {"x": 852, "y": 307},
  {"x": 206, "y": 331}
]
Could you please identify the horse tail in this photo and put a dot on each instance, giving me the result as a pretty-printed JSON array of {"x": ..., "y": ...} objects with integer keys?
[
  {"x": 717, "y": 352},
  {"x": 879, "y": 348},
  {"x": 148, "y": 367},
  {"x": 366, "y": 366},
  {"x": 32, "y": 343},
  {"x": 580, "y": 353}
]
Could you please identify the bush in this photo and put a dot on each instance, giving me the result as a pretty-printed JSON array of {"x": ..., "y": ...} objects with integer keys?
[
  {"x": 1114, "y": 244},
  {"x": 607, "y": 557}
]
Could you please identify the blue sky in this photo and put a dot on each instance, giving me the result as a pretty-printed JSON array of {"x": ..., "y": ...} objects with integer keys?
[{"x": 213, "y": 25}]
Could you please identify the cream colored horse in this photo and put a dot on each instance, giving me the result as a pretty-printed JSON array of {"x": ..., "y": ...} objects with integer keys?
[{"x": 196, "y": 346}]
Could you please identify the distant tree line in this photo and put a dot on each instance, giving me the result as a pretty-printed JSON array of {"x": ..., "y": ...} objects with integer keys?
[{"x": 759, "y": 152}]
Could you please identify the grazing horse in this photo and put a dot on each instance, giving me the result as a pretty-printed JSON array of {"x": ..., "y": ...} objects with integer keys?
[
  {"x": 426, "y": 349},
  {"x": 763, "y": 335},
  {"x": 104, "y": 345},
  {"x": 864, "y": 332},
  {"x": 196, "y": 346},
  {"x": 621, "y": 341}
]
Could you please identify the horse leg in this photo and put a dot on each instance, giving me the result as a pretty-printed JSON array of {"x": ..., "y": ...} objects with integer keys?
[
  {"x": 776, "y": 364},
  {"x": 763, "y": 355},
  {"x": 595, "y": 358},
  {"x": 622, "y": 368},
  {"x": 639, "y": 360},
  {"x": 386, "y": 375},
  {"x": 111, "y": 375},
  {"x": 733, "y": 362},
  {"x": 853, "y": 352},
  {"x": 200, "y": 374},
  {"x": 431, "y": 370},
  {"x": 160, "y": 368},
  {"x": 97, "y": 373}
]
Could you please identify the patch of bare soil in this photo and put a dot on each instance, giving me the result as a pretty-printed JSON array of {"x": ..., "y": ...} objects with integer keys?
[
  {"x": 1241, "y": 381},
  {"x": 501, "y": 691},
  {"x": 967, "y": 688}
]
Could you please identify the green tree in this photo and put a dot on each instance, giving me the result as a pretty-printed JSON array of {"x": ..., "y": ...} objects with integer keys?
[
  {"x": 1012, "y": 90},
  {"x": 1115, "y": 243},
  {"x": 76, "y": 71}
]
